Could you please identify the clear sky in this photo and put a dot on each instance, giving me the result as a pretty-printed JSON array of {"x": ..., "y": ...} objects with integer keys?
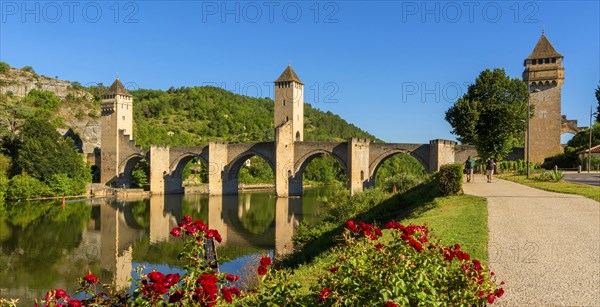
[{"x": 391, "y": 67}]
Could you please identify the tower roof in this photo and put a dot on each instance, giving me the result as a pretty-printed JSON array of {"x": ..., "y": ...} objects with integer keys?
[
  {"x": 543, "y": 49},
  {"x": 117, "y": 88},
  {"x": 288, "y": 75}
]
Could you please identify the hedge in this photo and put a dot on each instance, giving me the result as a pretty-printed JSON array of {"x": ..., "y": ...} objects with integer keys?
[{"x": 451, "y": 179}]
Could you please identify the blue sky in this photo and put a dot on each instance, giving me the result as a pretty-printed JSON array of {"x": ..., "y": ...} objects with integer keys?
[{"x": 391, "y": 68}]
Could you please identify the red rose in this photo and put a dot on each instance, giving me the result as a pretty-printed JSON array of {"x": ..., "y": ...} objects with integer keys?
[
  {"x": 191, "y": 229},
  {"x": 176, "y": 232},
  {"x": 226, "y": 294},
  {"x": 324, "y": 293},
  {"x": 232, "y": 277},
  {"x": 481, "y": 294},
  {"x": 350, "y": 224},
  {"x": 477, "y": 264},
  {"x": 187, "y": 219},
  {"x": 172, "y": 279},
  {"x": 74, "y": 303},
  {"x": 457, "y": 246},
  {"x": 91, "y": 278},
  {"x": 156, "y": 277},
  {"x": 491, "y": 298},
  {"x": 265, "y": 261},
  {"x": 213, "y": 234},
  {"x": 262, "y": 270},
  {"x": 379, "y": 246},
  {"x": 390, "y": 304},
  {"x": 333, "y": 269},
  {"x": 159, "y": 288},
  {"x": 378, "y": 232},
  {"x": 203, "y": 227},
  {"x": 235, "y": 291},
  {"x": 60, "y": 293},
  {"x": 499, "y": 292}
]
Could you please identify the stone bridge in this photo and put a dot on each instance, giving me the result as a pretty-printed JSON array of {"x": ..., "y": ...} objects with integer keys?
[
  {"x": 288, "y": 155},
  {"x": 360, "y": 159}
]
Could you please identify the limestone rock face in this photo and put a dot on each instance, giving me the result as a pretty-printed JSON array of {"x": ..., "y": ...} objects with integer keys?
[{"x": 82, "y": 117}]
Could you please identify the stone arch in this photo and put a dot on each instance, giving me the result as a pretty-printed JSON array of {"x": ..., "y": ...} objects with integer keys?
[
  {"x": 378, "y": 161},
  {"x": 303, "y": 161},
  {"x": 126, "y": 167},
  {"x": 174, "y": 179},
  {"x": 233, "y": 168}
]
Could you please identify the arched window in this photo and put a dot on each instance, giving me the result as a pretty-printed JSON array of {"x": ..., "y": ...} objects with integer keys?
[{"x": 297, "y": 135}]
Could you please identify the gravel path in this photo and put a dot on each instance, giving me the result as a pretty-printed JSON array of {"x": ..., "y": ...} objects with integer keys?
[{"x": 544, "y": 245}]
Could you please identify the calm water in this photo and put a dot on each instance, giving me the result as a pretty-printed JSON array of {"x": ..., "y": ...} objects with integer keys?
[{"x": 43, "y": 246}]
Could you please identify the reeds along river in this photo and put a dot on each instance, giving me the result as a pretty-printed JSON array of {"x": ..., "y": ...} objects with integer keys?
[{"x": 44, "y": 246}]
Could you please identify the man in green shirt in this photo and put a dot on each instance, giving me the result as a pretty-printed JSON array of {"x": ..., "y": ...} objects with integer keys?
[{"x": 469, "y": 165}]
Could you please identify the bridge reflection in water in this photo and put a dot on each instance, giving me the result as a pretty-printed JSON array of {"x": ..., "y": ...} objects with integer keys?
[{"x": 248, "y": 223}]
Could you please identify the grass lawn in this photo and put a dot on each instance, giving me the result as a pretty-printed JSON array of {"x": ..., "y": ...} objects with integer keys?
[
  {"x": 456, "y": 219},
  {"x": 560, "y": 187}
]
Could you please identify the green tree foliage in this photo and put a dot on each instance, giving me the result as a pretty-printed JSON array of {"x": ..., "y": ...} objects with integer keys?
[
  {"x": 492, "y": 114},
  {"x": 325, "y": 169},
  {"x": 140, "y": 174},
  {"x": 581, "y": 140},
  {"x": 4, "y": 168},
  {"x": 45, "y": 100},
  {"x": 43, "y": 153},
  {"x": 23, "y": 186}
]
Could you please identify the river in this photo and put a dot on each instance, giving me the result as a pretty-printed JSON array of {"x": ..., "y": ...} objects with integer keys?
[{"x": 45, "y": 246}]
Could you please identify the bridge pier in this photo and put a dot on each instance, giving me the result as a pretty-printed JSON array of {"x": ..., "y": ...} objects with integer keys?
[
  {"x": 159, "y": 168},
  {"x": 285, "y": 184},
  {"x": 440, "y": 152},
  {"x": 358, "y": 164}
]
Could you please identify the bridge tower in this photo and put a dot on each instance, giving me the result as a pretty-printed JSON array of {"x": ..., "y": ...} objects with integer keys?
[
  {"x": 289, "y": 128},
  {"x": 117, "y": 115},
  {"x": 544, "y": 75}
]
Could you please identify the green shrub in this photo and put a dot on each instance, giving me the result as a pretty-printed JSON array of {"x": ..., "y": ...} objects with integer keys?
[
  {"x": 23, "y": 186},
  {"x": 60, "y": 184},
  {"x": 4, "y": 68},
  {"x": 403, "y": 182},
  {"x": 451, "y": 179},
  {"x": 28, "y": 69},
  {"x": 563, "y": 160},
  {"x": 550, "y": 176}
]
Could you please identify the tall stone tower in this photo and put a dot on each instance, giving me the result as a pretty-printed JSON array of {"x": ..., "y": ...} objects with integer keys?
[
  {"x": 544, "y": 75},
  {"x": 289, "y": 128},
  {"x": 117, "y": 115},
  {"x": 289, "y": 102}
]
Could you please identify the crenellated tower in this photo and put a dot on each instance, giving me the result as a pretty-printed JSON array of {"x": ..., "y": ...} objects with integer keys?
[
  {"x": 544, "y": 75},
  {"x": 289, "y": 103},
  {"x": 117, "y": 116},
  {"x": 289, "y": 128}
]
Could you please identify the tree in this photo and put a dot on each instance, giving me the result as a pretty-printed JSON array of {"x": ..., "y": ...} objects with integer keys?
[
  {"x": 43, "y": 153},
  {"x": 492, "y": 114}
]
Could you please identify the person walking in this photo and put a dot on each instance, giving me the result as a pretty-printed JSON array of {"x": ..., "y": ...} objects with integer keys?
[
  {"x": 489, "y": 169},
  {"x": 469, "y": 165}
]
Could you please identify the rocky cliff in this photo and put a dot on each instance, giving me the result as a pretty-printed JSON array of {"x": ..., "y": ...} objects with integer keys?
[{"x": 77, "y": 112}]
